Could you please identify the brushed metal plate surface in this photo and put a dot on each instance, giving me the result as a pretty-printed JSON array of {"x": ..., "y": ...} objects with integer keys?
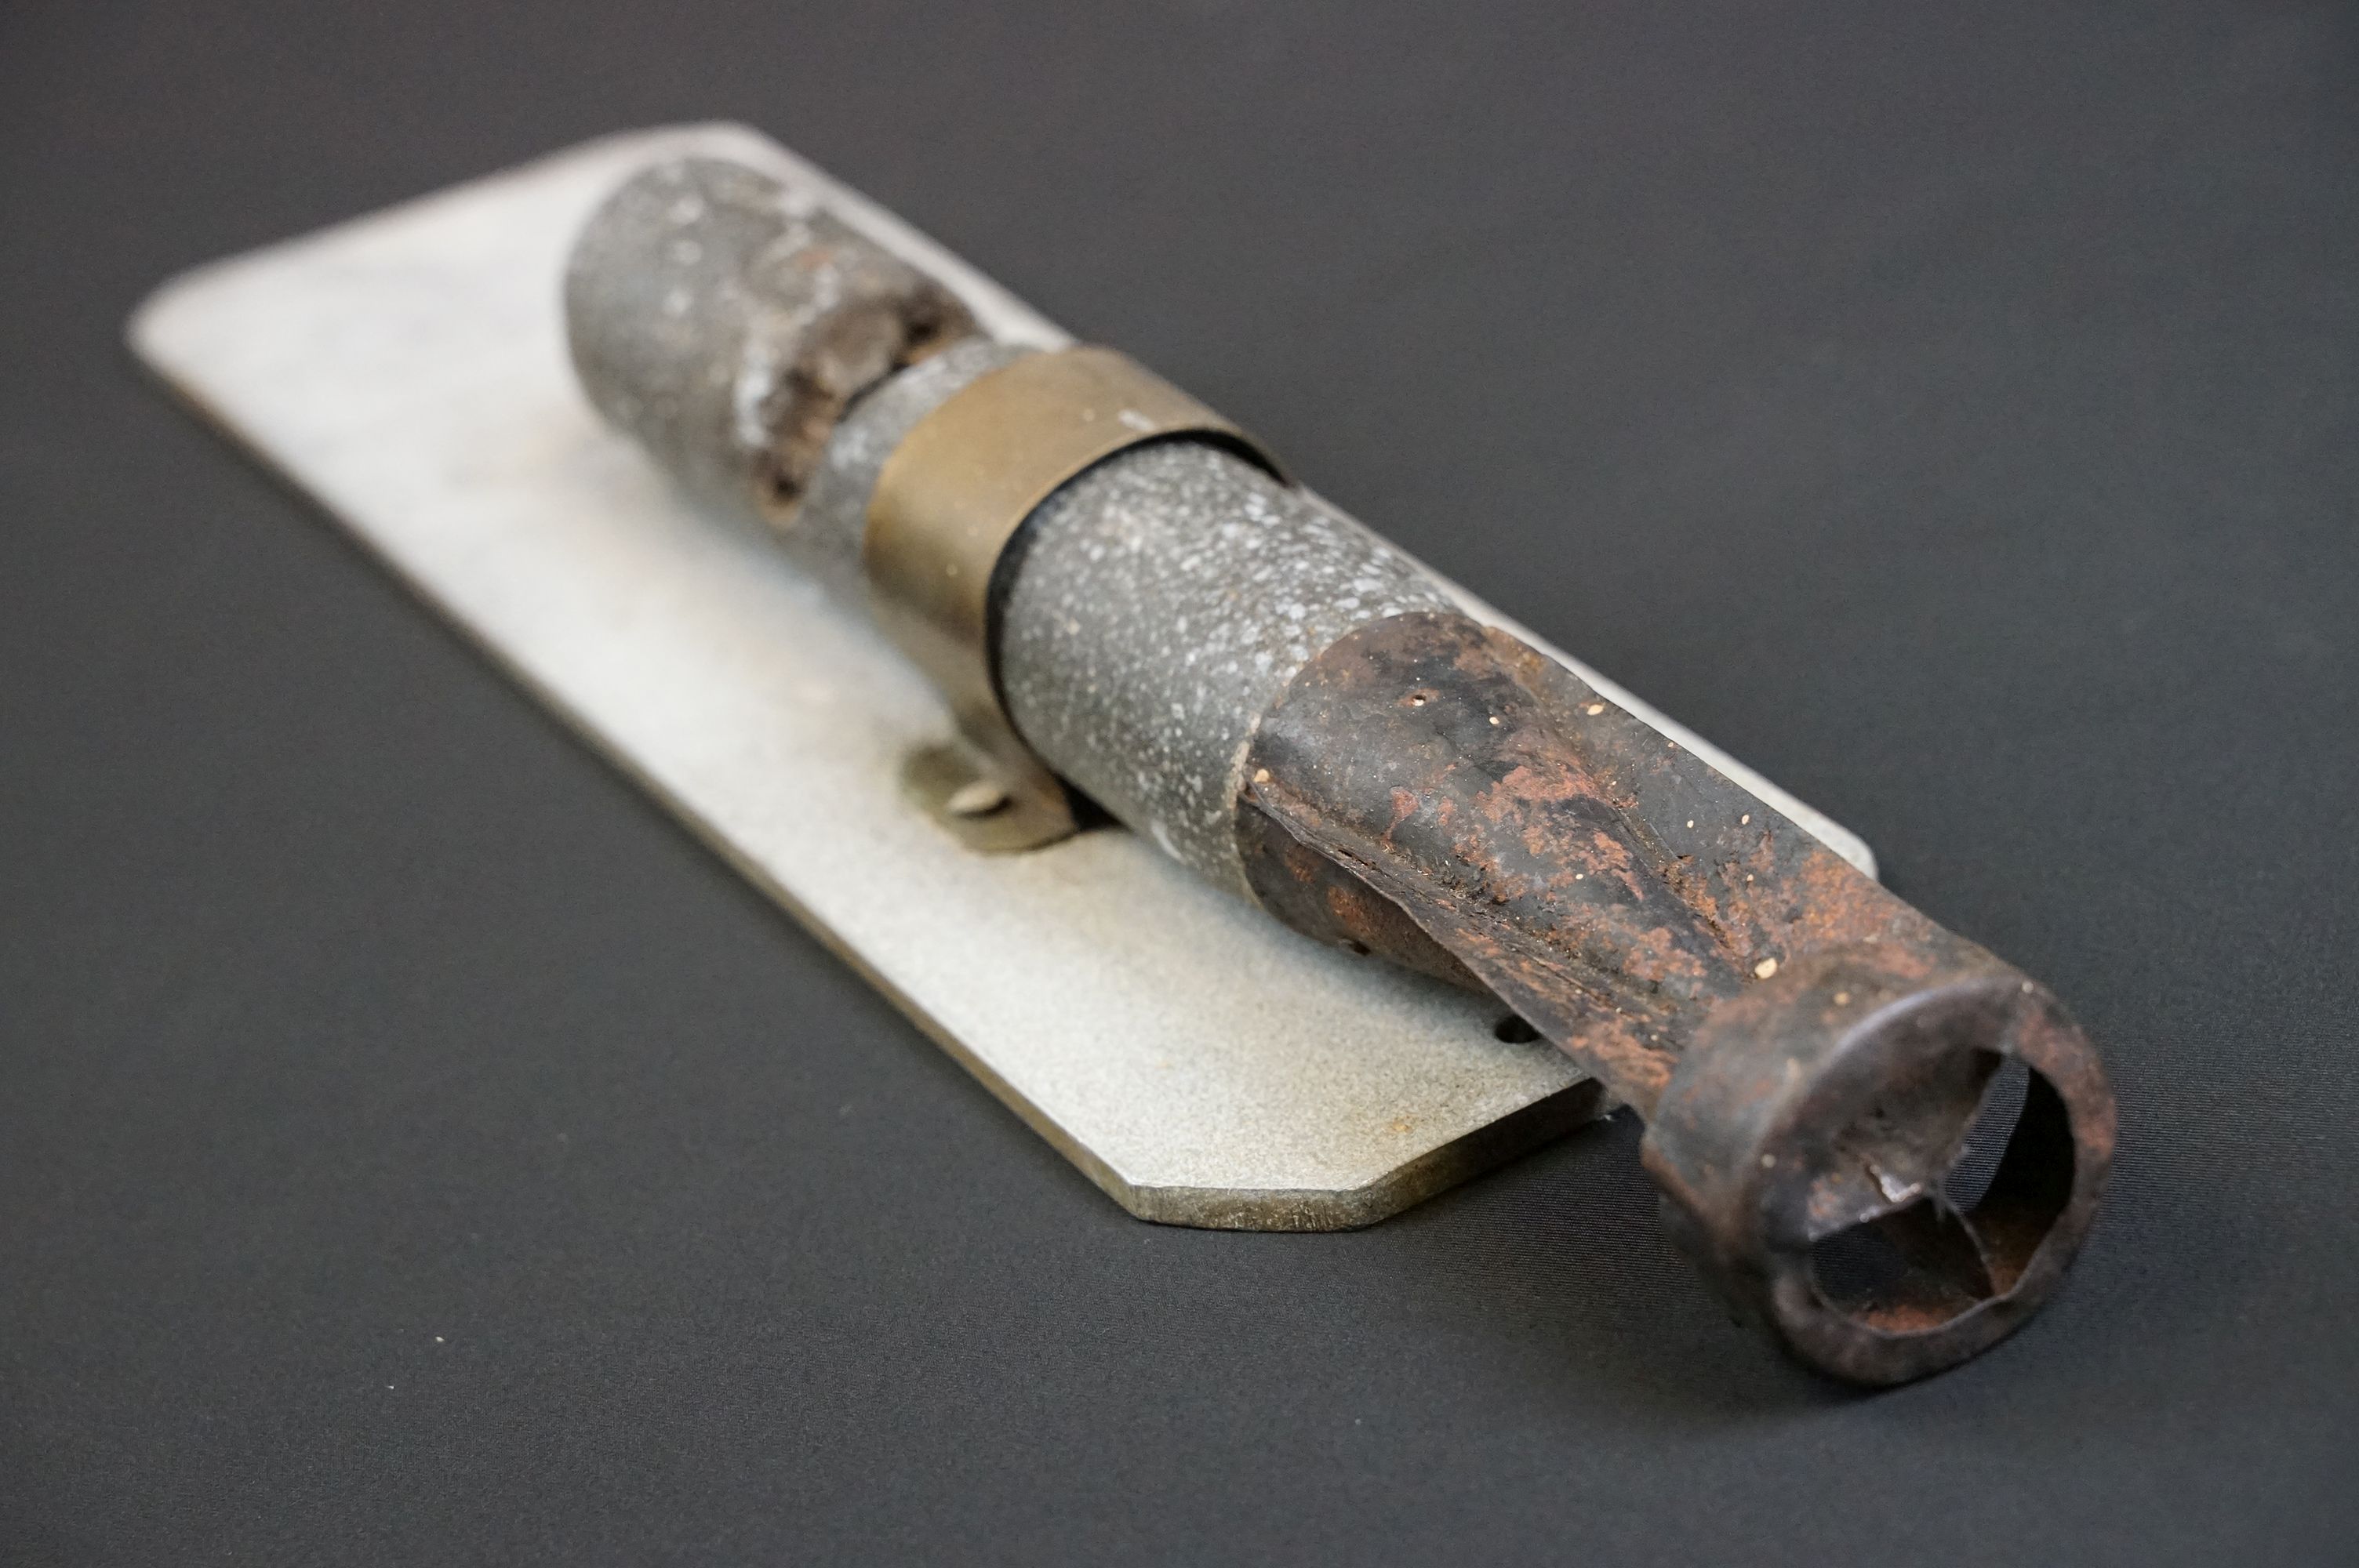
[{"x": 1199, "y": 1063}]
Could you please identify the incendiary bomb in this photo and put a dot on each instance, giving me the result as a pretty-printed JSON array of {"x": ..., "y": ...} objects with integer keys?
[{"x": 1133, "y": 610}]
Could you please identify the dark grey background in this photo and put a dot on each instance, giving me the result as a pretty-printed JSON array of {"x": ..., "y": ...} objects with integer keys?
[{"x": 413, "y": 1148}]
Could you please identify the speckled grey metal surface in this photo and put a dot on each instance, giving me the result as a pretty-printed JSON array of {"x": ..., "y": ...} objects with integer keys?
[
  {"x": 1154, "y": 609},
  {"x": 1160, "y": 603},
  {"x": 724, "y": 318}
]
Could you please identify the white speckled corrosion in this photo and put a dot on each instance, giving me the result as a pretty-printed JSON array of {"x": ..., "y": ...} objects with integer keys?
[{"x": 1163, "y": 601}]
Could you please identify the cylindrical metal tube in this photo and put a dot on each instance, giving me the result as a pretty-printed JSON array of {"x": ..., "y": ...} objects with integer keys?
[
  {"x": 1298, "y": 712},
  {"x": 1156, "y": 609}
]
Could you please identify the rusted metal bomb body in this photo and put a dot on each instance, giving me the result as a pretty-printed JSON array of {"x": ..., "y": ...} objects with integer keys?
[
  {"x": 1809, "y": 1053},
  {"x": 1300, "y": 713}
]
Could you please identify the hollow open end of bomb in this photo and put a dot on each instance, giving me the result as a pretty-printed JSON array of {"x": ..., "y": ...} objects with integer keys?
[
  {"x": 1969, "y": 1237},
  {"x": 1893, "y": 1178}
]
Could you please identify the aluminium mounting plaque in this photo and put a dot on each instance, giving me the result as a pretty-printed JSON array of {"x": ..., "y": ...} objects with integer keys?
[{"x": 1197, "y": 1060}]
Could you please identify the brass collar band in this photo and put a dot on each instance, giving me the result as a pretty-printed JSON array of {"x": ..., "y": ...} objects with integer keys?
[{"x": 962, "y": 481}]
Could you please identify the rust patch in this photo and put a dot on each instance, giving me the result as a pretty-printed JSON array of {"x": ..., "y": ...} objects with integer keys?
[{"x": 1808, "y": 1050}]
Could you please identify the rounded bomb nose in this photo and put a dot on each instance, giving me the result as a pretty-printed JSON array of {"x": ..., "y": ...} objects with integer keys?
[{"x": 727, "y": 322}]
